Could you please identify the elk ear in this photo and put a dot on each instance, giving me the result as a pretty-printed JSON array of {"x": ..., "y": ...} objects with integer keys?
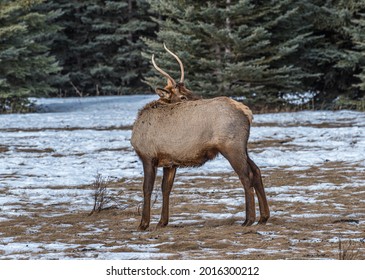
[
  {"x": 170, "y": 83},
  {"x": 163, "y": 93}
]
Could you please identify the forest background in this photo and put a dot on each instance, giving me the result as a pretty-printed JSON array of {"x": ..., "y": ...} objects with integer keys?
[{"x": 276, "y": 55}]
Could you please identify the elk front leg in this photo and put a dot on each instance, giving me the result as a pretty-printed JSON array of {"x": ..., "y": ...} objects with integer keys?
[
  {"x": 167, "y": 182},
  {"x": 260, "y": 191},
  {"x": 149, "y": 170}
]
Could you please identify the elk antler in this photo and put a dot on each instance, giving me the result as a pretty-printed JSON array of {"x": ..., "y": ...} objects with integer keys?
[
  {"x": 179, "y": 61},
  {"x": 162, "y": 72}
]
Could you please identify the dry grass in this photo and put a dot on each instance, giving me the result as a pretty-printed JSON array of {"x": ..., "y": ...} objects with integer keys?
[{"x": 203, "y": 225}]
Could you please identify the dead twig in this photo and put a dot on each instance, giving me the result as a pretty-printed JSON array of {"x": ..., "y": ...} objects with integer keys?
[{"x": 77, "y": 90}]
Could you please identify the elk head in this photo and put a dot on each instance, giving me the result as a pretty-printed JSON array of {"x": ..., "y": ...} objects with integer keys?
[{"x": 174, "y": 91}]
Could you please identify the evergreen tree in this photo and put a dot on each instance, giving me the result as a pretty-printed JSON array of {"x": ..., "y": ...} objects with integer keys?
[
  {"x": 338, "y": 54},
  {"x": 358, "y": 39},
  {"x": 100, "y": 47},
  {"x": 231, "y": 47},
  {"x": 24, "y": 60}
]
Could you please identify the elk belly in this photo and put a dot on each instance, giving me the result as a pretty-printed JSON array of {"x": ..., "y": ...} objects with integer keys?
[{"x": 186, "y": 159}]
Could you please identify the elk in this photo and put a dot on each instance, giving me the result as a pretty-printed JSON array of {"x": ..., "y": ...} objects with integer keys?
[{"x": 179, "y": 130}]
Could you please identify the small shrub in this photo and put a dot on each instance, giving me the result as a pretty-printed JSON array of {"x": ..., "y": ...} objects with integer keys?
[
  {"x": 16, "y": 104},
  {"x": 101, "y": 196},
  {"x": 347, "y": 251},
  {"x": 342, "y": 103}
]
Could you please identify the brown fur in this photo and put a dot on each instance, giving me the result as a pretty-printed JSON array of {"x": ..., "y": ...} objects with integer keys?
[
  {"x": 242, "y": 107},
  {"x": 178, "y": 130},
  {"x": 189, "y": 134}
]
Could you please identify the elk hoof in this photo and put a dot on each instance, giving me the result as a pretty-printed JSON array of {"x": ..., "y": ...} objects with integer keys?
[
  {"x": 143, "y": 227},
  {"x": 247, "y": 223},
  {"x": 160, "y": 225},
  {"x": 263, "y": 220}
]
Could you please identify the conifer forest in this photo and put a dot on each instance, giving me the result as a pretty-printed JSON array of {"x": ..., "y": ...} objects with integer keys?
[{"x": 261, "y": 50}]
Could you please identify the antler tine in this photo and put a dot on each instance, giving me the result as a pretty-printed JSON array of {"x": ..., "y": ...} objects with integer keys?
[
  {"x": 161, "y": 71},
  {"x": 179, "y": 61}
]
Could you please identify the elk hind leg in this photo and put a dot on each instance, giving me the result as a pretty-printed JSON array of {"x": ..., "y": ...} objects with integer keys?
[
  {"x": 239, "y": 163},
  {"x": 167, "y": 182}
]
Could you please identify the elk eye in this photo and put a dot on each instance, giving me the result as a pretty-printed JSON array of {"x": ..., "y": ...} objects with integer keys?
[{"x": 183, "y": 98}]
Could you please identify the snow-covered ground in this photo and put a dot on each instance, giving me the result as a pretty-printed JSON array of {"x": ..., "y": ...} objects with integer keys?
[{"x": 72, "y": 140}]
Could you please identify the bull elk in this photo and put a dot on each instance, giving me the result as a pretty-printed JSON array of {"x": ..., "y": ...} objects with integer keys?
[{"x": 179, "y": 130}]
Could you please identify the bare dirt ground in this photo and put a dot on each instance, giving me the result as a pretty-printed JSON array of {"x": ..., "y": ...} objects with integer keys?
[{"x": 315, "y": 214}]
